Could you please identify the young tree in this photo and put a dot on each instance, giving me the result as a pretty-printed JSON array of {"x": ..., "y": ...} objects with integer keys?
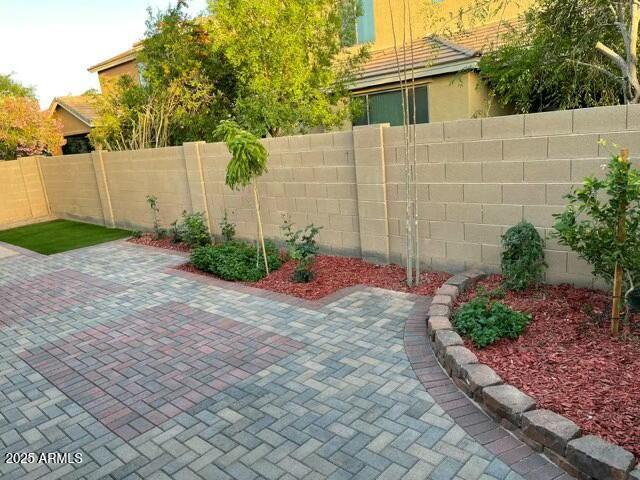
[
  {"x": 602, "y": 224},
  {"x": 25, "y": 130},
  {"x": 292, "y": 68},
  {"x": 248, "y": 162}
]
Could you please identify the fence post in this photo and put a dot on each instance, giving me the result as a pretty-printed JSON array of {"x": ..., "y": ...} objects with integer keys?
[
  {"x": 195, "y": 179},
  {"x": 43, "y": 185},
  {"x": 371, "y": 183},
  {"x": 24, "y": 185},
  {"x": 103, "y": 188}
]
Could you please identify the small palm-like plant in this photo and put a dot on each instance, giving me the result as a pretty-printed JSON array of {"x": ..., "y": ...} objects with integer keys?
[{"x": 248, "y": 162}]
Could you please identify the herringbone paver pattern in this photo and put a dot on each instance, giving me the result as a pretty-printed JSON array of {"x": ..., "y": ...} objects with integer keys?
[{"x": 151, "y": 374}]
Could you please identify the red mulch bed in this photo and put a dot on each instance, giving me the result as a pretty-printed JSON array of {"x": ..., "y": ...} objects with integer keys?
[
  {"x": 148, "y": 240},
  {"x": 335, "y": 273},
  {"x": 569, "y": 363}
]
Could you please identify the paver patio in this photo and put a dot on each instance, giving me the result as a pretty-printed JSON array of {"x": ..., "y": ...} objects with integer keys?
[{"x": 153, "y": 373}]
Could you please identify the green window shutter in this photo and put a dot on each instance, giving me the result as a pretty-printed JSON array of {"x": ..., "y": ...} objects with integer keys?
[
  {"x": 422, "y": 105},
  {"x": 386, "y": 107},
  {"x": 365, "y": 24}
]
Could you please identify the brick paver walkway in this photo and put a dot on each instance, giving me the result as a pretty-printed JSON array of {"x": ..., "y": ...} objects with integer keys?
[{"x": 152, "y": 373}]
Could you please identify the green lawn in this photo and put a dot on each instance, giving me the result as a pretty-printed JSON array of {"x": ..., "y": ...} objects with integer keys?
[{"x": 59, "y": 236}]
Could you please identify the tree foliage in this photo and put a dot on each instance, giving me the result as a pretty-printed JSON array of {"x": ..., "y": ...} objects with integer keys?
[
  {"x": 589, "y": 223},
  {"x": 293, "y": 73},
  {"x": 8, "y": 86},
  {"x": 187, "y": 87},
  {"x": 25, "y": 130},
  {"x": 552, "y": 63}
]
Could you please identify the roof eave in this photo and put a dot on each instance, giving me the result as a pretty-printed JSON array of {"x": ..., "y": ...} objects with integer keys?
[
  {"x": 57, "y": 103},
  {"x": 423, "y": 72}
]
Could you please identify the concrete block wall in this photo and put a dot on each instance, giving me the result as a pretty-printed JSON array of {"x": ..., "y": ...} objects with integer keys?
[
  {"x": 23, "y": 197},
  {"x": 476, "y": 178}
]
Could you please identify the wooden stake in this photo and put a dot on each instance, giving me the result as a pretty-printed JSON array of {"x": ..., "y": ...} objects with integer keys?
[
  {"x": 616, "y": 308},
  {"x": 260, "y": 233}
]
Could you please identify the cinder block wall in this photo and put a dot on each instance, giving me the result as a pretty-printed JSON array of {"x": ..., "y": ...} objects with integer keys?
[
  {"x": 23, "y": 199},
  {"x": 476, "y": 178}
]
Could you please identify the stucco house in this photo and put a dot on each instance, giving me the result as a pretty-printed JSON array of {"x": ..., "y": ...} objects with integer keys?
[
  {"x": 77, "y": 115},
  {"x": 448, "y": 86}
]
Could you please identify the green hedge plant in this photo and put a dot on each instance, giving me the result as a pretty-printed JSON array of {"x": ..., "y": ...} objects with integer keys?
[
  {"x": 522, "y": 257},
  {"x": 485, "y": 321},
  {"x": 235, "y": 261}
]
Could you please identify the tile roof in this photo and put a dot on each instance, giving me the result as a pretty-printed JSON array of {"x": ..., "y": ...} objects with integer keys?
[
  {"x": 434, "y": 51},
  {"x": 81, "y": 106}
]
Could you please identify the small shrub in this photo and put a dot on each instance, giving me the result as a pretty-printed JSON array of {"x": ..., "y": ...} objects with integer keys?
[
  {"x": 193, "y": 229},
  {"x": 174, "y": 232},
  {"x": 158, "y": 231},
  {"x": 235, "y": 261},
  {"x": 227, "y": 228},
  {"x": 136, "y": 234},
  {"x": 522, "y": 257},
  {"x": 302, "y": 248},
  {"x": 486, "y": 321}
]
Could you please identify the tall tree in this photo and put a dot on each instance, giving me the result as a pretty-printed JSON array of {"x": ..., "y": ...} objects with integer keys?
[
  {"x": 292, "y": 68},
  {"x": 187, "y": 87},
  {"x": 8, "y": 86},
  {"x": 565, "y": 56},
  {"x": 25, "y": 130}
]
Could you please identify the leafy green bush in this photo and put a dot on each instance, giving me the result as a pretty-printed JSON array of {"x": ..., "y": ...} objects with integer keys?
[
  {"x": 158, "y": 231},
  {"x": 136, "y": 234},
  {"x": 522, "y": 256},
  {"x": 193, "y": 229},
  {"x": 227, "y": 228},
  {"x": 235, "y": 261},
  {"x": 302, "y": 248},
  {"x": 486, "y": 321}
]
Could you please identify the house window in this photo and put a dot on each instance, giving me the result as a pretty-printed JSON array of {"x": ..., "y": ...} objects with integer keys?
[
  {"x": 386, "y": 107},
  {"x": 365, "y": 24}
]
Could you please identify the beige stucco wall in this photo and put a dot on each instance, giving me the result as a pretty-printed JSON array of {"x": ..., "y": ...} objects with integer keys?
[
  {"x": 22, "y": 193},
  {"x": 111, "y": 75},
  {"x": 427, "y": 18},
  {"x": 70, "y": 125},
  {"x": 476, "y": 178}
]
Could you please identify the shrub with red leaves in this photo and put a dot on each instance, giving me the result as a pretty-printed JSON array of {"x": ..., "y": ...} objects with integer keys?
[{"x": 569, "y": 363}]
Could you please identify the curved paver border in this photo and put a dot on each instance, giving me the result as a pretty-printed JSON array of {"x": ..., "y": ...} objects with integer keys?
[{"x": 542, "y": 430}]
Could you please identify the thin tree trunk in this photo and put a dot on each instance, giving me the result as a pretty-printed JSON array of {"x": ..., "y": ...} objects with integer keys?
[
  {"x": 616, "y": 308},
  {"x": 416, "y": 229},
  {"x": 260, "y": 232}
]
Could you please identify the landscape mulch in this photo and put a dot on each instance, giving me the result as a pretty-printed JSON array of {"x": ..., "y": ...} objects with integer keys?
[
  {"x": 333, "y": 273},
  {"x": 148, "y": 240},
  {"x": 567, "y": 360}
]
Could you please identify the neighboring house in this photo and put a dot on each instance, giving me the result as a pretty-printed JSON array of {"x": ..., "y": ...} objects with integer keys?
[
  {"x": 448, "y": 86},
  {"x": 76, "y": 114},
  {"x": 124, "y": 63}
]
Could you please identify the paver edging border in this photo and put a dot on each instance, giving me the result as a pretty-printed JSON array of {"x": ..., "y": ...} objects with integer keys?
[{"x": 556, "y": 436}]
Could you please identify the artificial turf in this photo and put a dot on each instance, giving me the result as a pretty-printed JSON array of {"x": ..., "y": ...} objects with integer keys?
[{"x": 58, "y": 236}]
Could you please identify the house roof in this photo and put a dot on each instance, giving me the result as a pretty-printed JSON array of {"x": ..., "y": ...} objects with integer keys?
[
  {"x": 119, "y": 59},
  {"x": 432, "y": 55},
  {"x": 80, "y": 106}
]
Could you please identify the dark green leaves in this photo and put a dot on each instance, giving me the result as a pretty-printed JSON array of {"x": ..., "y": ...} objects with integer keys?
[
  {"x": 486, "y": 321},
  {"x": 522, "y": 256}
]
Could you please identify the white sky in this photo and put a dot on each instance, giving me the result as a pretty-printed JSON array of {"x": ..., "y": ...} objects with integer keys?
[{"x": 49, "y": 44}]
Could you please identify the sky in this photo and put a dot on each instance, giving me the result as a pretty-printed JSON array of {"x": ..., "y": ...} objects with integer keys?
[{"x": 49, "y": 44}]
